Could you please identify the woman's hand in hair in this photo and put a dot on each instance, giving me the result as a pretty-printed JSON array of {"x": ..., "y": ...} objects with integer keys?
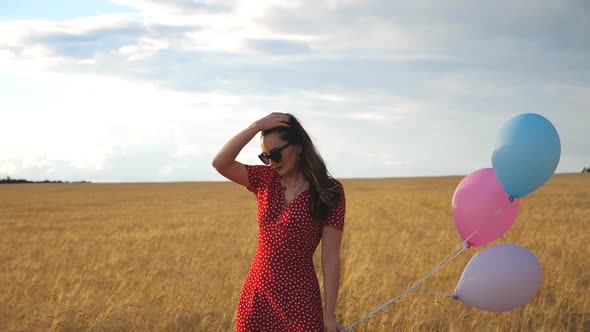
[{"x": 272, "y": 120}]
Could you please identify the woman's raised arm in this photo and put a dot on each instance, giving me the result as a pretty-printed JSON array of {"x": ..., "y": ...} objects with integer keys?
[{"x": 225, "y": 160}]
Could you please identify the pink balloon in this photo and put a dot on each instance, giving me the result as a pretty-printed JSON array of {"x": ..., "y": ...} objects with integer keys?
[{"x": 481, "y": 204}]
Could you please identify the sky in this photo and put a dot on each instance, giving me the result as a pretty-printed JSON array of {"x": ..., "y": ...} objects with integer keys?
[{"x": 149, "y": 91}]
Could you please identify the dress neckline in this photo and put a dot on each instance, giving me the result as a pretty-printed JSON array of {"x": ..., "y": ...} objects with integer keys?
[
  {"x": 282, "y": 189},
  {"x": 287, "y": 204}
]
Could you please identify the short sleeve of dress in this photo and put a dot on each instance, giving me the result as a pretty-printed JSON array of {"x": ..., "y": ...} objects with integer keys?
[
  {"x": 336, "y": 216},
  {"x": 258, "y": 177}
]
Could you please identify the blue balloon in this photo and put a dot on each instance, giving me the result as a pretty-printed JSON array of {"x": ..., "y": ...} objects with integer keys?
[{"x": 526, "y": 154}]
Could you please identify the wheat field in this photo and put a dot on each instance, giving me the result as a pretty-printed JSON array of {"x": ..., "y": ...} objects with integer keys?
[{"x": 173, "y": 256}]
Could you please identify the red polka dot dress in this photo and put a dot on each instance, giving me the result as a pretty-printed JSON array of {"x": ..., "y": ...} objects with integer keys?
[{"x": 281, "y": 291}]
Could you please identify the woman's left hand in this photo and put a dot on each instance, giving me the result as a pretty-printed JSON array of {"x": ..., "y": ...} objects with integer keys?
[{"x": 332, "y": 325}]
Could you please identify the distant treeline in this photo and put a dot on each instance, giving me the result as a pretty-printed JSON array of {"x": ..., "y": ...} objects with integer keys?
[
  {"x": 586, "y": 170},
  {"x": 7, "y": 180}
]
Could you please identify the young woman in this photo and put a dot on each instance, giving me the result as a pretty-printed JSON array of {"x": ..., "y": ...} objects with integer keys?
[{"x": 299, "y": 205}]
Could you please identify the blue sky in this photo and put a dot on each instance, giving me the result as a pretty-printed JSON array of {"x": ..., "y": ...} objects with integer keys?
[
  {"x": 58, "y": 9},
  {"x": 147, "y": 90}
]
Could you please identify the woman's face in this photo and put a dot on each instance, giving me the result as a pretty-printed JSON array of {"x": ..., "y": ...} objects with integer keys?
[{"x": 288, "y": 162}]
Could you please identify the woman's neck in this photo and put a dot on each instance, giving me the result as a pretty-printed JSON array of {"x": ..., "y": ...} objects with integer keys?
[{"x": 293, "y": 179}]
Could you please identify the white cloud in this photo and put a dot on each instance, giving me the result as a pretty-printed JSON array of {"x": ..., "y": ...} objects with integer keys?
[
  {"x": 166, "y": 87},
  {"x": 186, "y": 150},
  {"x": 84, "y": 118},
  {"x": 167, "y": 170},
  {"x": 8, "y": 167},
  {"x": 473, "y": 85},
  {"x": 177, "y": 7},
  {"x": 367, "y": 116},
  {"x": 398, "y": 162},
  {"x": 145, "y": 48}
]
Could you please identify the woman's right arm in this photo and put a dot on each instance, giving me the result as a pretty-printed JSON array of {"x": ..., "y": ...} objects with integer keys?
[{"x": 225, "y": 160}]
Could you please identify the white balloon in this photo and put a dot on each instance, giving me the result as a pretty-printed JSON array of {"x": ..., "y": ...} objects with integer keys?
[{"x": 500, "y": 278}]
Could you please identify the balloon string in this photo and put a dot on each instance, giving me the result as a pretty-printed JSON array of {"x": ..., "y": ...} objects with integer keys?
[
  {"x": 411, "y": 288},
  {"x": 434, "y": 293},
  {"x": 497, "y": 213},
  {"x": 454, "y": 253}
]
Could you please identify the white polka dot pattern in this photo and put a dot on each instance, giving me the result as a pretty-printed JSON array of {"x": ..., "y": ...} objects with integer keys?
[{"x": 281, "y": 291}]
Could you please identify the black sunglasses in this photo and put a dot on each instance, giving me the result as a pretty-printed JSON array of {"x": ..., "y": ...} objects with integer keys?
[{"x": 274, "y": 155}]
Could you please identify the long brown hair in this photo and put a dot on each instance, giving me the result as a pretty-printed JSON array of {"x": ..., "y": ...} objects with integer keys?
[{"x": 323, "y": 188}]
